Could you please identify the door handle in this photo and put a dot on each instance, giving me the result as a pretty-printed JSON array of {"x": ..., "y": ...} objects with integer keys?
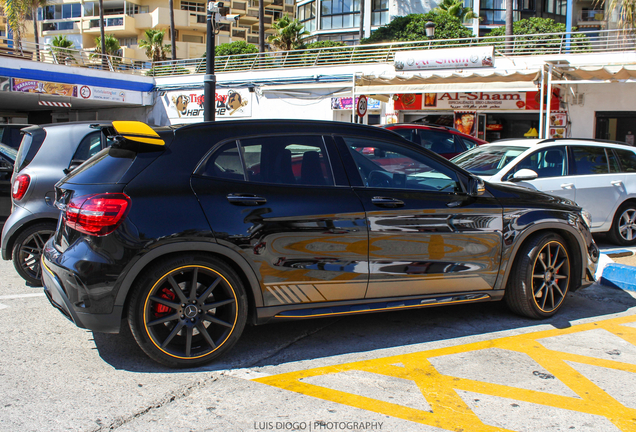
[
  {"x": 617, "y": 183},
  {"x": 246, "y": 199},
  {"x": 567, "y": 186},
  {"x": 387, "y": 202}
]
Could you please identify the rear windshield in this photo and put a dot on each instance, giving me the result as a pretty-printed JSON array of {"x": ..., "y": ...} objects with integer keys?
[
  {"x": 29, "y": 147},
  {"x": 100, "y": 169},
  {"x": 487, "y": 160}
]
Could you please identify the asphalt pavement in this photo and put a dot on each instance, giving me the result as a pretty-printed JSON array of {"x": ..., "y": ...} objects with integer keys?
[{"x": 459, "y": 368}]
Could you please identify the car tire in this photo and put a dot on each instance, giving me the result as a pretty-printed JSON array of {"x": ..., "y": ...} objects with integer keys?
[
  {"x": 27, "y": 251},
  {"x": 540, "y": 277},
  {"x": 175, "y": 325},
  {"x": 623, "y": 230}
]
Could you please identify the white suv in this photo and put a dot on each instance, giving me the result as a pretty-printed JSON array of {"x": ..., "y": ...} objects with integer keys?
[{"x": 599, "y": 176}]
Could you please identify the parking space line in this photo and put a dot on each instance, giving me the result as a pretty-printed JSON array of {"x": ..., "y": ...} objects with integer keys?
[{"x": 442, "y": 392}]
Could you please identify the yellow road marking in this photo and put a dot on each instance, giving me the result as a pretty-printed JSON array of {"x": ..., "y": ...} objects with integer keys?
[{"x": 450, "y": 412}]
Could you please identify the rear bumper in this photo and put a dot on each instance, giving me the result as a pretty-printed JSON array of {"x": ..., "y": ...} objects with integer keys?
[{"x": 70, "y": 304}]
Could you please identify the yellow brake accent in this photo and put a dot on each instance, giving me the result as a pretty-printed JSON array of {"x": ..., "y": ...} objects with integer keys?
[{"x": 138, "y": 131}]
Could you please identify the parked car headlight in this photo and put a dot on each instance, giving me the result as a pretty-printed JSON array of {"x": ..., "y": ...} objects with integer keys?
[{"x": 587, "y": 217}]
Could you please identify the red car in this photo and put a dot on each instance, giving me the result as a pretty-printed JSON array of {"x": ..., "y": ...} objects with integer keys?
[{"x": 444, "y": 141}]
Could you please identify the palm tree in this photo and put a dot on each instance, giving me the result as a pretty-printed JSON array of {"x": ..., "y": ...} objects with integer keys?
[
  {"x": 172, "y": 36},
  {"x": 101, "y": 32},
  {"x": 456, "y": 8},
  {"x": 261, "y": 26},
  {"x": 61, "y": 48},
  {"x": 112, "y": 48},
  {"x": 626, "y": 10},
  {"x": 154, "y": 46},
  {"x": 111, "y": 45},
  {"x": 290, "y": 34},
  {"x": 34, "y": 5},
  {"x": 15, "y": 11}
]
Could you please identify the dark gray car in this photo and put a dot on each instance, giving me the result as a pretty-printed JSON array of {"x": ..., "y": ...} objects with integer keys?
[{"x": 47, "y": 153}]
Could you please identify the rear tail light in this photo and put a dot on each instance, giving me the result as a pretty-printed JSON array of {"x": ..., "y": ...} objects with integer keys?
[
  {"x": 20, "y": 186},
  {"x": 97, "y": 215}
]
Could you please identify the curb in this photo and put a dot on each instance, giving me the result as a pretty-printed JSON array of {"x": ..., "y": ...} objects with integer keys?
[{"x": 619, "y": 276}]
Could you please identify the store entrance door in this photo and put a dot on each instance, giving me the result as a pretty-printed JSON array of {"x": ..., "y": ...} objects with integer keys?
[{"x": 616, "y": 126}]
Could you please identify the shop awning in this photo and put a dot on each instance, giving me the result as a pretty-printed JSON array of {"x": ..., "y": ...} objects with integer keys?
[
  {"x": 598, "y": 74},
  {"x": 449, "y": 81}
]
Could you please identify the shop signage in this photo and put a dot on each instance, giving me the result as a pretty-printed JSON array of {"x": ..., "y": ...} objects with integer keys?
[
  {"x": 466, "y": 122},
  {"x": 558, "y": 124},
  {"x": 5, "y": 83},
  {"x": 449, "y": 58},
  {"x": 109, "y": 94},
  {"x": 44, "y": 87},
  {"x": 478, "y": 101},
  {"x": 189, "y": 104},
  {"x": 346, "y": 103}
]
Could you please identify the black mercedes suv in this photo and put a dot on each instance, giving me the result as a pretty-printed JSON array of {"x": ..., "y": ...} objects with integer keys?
[{"x": 190, "y": 232}]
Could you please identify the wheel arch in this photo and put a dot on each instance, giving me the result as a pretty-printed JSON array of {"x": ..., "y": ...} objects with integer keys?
[
  {"x": 14, "y": 235},
  {"x": 575, "y": 249},
  {"x": 232, "y": 258}
]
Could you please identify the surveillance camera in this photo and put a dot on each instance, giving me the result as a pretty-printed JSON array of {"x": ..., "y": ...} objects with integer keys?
[{"x": 233, "y": 17}]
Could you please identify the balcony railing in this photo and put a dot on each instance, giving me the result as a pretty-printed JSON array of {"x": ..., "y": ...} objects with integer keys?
[{"x": 598, "y": 41}]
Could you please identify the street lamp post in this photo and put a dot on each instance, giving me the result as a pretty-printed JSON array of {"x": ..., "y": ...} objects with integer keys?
[
  {"x": 429, "y": 27},
  {"x": 209, "y": 81}
]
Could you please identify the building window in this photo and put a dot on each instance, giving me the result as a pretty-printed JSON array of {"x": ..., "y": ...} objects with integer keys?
[
  {"x": 128, "y": 42},
  {"x": 192, "y": 6},
  {"x": 133, "y": 9},
  {"x": 494, "y": 11},
  {"x": 557, "y": 7},
  {"x": 306, "y": 15},
  {"x": 192, "y": 38},
  {"x": 380, "y": 12},
  {"x": 274, "y": 13},
  {"x": 337, "y": 14}
]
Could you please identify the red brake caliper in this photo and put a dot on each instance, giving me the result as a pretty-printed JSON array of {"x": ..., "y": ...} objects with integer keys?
[{"x": 162, "y": 310}]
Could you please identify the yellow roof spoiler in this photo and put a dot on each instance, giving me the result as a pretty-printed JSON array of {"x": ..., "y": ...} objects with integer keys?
[{"x": 138, "y": 131}]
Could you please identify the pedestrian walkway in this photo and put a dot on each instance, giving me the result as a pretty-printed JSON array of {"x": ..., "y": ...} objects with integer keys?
[{"x": 502, "y": 384}]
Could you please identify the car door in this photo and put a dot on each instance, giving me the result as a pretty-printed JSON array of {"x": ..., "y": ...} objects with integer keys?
[
  {"x": 551, "y": 166},
  {"x": 426, "y": 235},
  {"x": 598, "y": 188},
  {"x": 285, "y": 204}
]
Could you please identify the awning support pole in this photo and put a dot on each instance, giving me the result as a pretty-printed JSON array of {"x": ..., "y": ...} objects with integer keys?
[
  {"x": 541, "y": 94},
  {"x": 353, "y": 99},
  {"x": 549, "y": 102}
]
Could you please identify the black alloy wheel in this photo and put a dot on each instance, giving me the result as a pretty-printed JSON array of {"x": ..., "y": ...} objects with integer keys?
[
  {"x": 540, "y": 278},
  {"x": 27, "y": 251},
  {"x": 187, "y": 311}
]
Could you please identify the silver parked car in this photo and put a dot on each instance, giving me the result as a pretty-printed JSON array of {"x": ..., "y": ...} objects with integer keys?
[
  {"x": 47, "y": 153},
  {"x": 599, "y": 175}
]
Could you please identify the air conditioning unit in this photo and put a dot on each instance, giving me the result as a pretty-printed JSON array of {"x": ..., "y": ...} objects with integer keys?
[{"x": 578, "y": 99}]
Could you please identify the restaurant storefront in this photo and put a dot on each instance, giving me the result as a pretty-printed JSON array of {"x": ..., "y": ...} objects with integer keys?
[{"x": 485, "y": 115}]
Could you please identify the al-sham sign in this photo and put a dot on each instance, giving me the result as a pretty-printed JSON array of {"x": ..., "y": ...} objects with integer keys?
[
  {"x": 188, "y": 104},
  {"x": 449, "y": 58}
]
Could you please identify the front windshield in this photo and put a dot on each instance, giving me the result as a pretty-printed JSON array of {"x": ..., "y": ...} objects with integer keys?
[
  {"x": 10, "y": 152},
  {"x": 487, "y": 160}
]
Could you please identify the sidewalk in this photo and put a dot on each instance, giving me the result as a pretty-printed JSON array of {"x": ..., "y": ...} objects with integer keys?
[{"x": 617, "y": 266}]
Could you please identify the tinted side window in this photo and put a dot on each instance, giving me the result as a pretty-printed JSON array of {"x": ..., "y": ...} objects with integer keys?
[
  {"x": 588, "y": 160},
  {"x": 627, "y": 159},
  {"x": 387, "y": 165},
  {"x": 90, "y": 146},
  {"x": 469, "y": 143},
  {"x": 300, "y": 160},
  {"x": 613, "y": 162},
  {"x": 29, "y": 147},
  {"x": 438, "y": 142},
  {"x": 225, "y": 163},
  {"x": 547, "y": 162}
]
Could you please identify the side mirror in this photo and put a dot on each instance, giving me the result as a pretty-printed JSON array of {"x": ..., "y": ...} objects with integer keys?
[
  {"x": 476, "y": 187},
  {"x": 523, "y": 175}
]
